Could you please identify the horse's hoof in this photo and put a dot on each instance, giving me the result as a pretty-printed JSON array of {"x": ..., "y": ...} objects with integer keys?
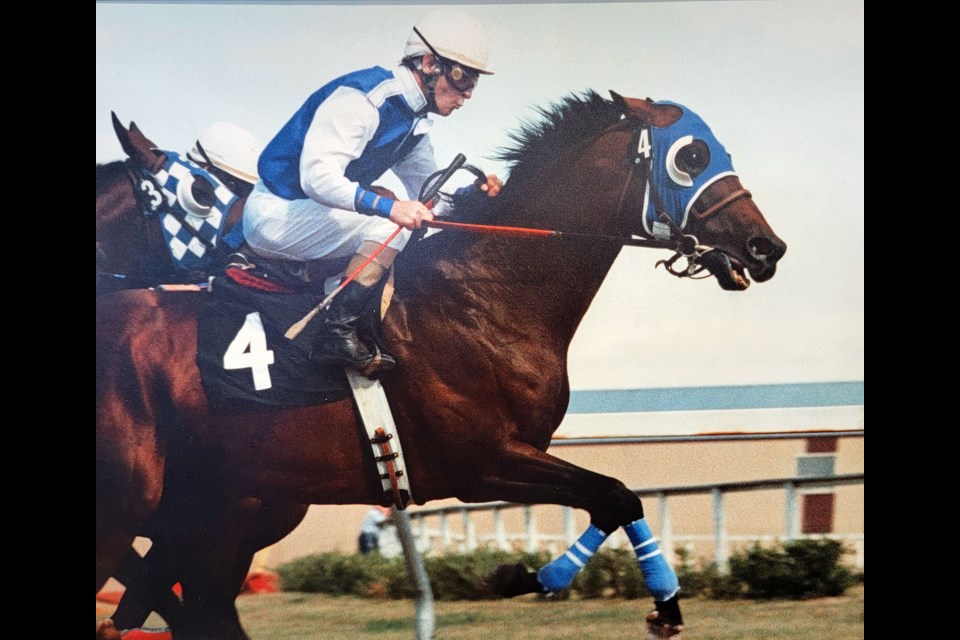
[
  {"x": 510, "y": 580},
  {"x": 107, "y": 631},
  {"x": 665, "y": 621}
]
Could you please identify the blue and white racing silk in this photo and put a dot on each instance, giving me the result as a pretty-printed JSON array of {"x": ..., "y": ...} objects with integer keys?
[
  {"x": 175, "y": 179},
  {"x": 345, "y": 136},
  {"x": 678, "y": 190},
  {"x": 316, "y": 174}
]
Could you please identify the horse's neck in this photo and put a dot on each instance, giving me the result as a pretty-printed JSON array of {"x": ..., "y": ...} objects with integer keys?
[
  {"x": 533, "y": 288},
  {"x": 116, "y": 202},
  {"x": 536, "y": 287}
]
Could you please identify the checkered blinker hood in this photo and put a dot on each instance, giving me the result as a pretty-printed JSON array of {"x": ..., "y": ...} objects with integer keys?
[
  {"x": 687, "y": 159},
  {"x": 176, "y": 181}
]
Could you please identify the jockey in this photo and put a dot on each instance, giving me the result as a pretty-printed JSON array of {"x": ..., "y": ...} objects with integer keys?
[
  {"x": 316, "y": 199},
  {"x": 230, "y": 153}
]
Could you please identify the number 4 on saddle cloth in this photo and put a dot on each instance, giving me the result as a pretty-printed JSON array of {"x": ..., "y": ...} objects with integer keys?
[
  {"x": 245, "y": 361},
  {"x": 244, "y": 357}
]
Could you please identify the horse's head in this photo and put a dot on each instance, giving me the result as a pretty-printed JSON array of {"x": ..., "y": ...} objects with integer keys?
[
  {"x": 195, "y": 188},
  {"x": 191, "y": 205},
  {"x": 694, "y": 197}
]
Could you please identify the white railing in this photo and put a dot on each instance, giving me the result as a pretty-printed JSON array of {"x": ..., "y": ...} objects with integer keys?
[{"x": 445, "y": 536}]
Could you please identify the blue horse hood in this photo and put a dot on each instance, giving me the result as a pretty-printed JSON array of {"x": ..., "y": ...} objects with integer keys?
[{"x": 677, "y": 184}]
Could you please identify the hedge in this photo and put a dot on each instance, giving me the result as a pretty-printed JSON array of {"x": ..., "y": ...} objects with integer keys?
[{"x": 799, "y": 569}]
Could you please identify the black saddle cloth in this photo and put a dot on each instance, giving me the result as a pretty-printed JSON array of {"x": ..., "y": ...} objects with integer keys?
[{"x": 245, "y": 361}]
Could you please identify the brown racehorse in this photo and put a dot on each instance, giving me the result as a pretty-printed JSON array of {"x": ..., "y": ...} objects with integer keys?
[
  {"x": 130, "y": 244},
  {"x": 481, "y": 325}
]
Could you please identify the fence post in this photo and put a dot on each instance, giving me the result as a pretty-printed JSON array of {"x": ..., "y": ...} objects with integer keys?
[
  {"x": 444, "y": 531},
  {"x": 531, "y": 521},
  {"x": 719, "y": 530},
  {"x": 793, "y": 520},
  {"x": 499, "y": 530},
  {"x": 470, "y": 533},
  {"x": 569, "y": 530},
  {"x": 666, "y": 530}
]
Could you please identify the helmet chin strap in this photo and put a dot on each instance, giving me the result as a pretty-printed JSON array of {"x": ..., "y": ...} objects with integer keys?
[{"x": 429, "y": 85}]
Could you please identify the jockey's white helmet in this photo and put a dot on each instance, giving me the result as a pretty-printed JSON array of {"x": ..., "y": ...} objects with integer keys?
[
  {"x": 230, "y": 148},
  {"x": 455, "y": 35}
]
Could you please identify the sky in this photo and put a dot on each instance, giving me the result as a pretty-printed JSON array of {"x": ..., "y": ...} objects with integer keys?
[{"x": 780, "y": 84}]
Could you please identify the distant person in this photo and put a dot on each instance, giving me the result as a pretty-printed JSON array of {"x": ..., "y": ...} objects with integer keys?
[{"x": 373, "y": 522}]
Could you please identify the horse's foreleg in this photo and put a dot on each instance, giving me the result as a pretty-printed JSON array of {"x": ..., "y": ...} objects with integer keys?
[
  {"x": 523, "y": 473},
  {"x": 527, "y": 475}
]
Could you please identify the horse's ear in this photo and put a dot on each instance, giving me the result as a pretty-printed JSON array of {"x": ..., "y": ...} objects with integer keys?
[
  {"x": 123, "y": 136},
  {"x": 658, "y": 115},
  {"x": 619, "y": 101},
  {"x": 137, "y": 146},
  {"x": 138, "y": 135}
]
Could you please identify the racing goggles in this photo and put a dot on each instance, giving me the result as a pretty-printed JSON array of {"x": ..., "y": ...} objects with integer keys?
[{"x": 461, "y": 78}]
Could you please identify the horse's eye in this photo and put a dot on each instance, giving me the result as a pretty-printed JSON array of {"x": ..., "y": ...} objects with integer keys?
[
  {"x": 694, "y": 158},
  {"x": 686, "y": 159}
]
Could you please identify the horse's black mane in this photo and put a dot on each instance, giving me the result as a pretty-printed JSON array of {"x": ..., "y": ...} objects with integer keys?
[
  {"x": 572, "y": 120},
  {"x": 108, "y": 173},
  {"x": 538, "y": 144}
]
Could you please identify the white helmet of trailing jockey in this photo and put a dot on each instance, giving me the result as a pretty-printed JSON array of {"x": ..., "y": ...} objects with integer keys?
[
  {"x": 453, "y": 35},
  {"x": 230, "y": 148}
]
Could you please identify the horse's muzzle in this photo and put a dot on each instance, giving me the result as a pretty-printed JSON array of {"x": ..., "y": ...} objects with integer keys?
[{"x": 764, "y": 254}]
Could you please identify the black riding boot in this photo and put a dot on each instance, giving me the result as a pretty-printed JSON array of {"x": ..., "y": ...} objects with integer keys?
[{"x": 338, "y": 343}]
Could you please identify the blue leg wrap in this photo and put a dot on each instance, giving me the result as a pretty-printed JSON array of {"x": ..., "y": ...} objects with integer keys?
[
  {"x": 560, "y": 573},
  {"x": 660, "y": 578}
]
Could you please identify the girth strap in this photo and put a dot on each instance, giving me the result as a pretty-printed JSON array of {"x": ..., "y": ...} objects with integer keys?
[{"x": 381, "y": 432}]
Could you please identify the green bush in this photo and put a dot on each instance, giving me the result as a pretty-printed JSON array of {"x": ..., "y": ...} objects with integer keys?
[
  {"x": 457, "y": 576},
  {"x": 452, "y": 576},
  {"x": 611, "y": 573},
  {"x": 801, "y": 569},
  {"x": 332, "y": 573},
  {"x": 798, "y": 569}
]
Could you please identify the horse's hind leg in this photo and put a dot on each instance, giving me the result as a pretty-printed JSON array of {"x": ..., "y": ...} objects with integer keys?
[
  {"x": 527, "y": 475},
  {"x": 128, "y": 492},
  {"x": 148, "y": 583}
]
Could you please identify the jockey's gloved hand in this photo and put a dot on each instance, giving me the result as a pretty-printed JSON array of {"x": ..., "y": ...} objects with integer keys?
[
  {"x": 492, "y": 186},
  {"x": 409, "y": 213}
]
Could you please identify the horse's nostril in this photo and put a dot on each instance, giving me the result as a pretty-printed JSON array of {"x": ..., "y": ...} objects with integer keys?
[{"x": 762, "y": 248}]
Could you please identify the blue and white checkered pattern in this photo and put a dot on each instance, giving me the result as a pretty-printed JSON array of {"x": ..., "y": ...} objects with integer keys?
[{"x": 187, "y": 251}]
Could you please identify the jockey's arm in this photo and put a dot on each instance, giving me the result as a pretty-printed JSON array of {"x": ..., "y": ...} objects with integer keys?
[{"x": 341, "y": 129}]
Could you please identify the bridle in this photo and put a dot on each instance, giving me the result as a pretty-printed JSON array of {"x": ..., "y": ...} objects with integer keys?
[
  {"x": 148, "y": 241},
  {"x": 156, "y": 202},
  {"x": 684, "y": 245}
]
